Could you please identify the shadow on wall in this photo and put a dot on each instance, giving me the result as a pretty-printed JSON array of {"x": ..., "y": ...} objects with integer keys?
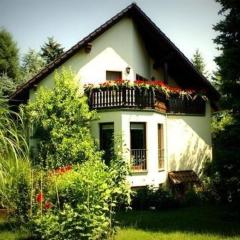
[
  {"x": 193, "y": 158},
  {"x": 191, "y": 144}
]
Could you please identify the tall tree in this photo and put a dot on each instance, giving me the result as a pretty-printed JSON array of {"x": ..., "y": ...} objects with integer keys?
[
  {"x": 228, "y": 42},
  {"x": 199, "y": 63},
  {"x": 32, "y": 63},
  {"x": 225, "y": 168},
  {"x": 51, "y": 50},
  {"x": 9, "y": 58}
]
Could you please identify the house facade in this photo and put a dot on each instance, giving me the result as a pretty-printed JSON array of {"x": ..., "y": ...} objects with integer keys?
[{"x": 160, "y": 134}]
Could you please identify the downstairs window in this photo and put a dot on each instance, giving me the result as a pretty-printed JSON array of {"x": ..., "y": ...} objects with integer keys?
[
  {"x": 138, "y": 146},
  {"x": 107, "y": 140}
]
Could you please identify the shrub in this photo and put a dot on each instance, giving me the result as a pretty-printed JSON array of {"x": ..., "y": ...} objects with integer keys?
[
  {"x": 149, "y": 197},
  {"x": 60, "y": 118}
]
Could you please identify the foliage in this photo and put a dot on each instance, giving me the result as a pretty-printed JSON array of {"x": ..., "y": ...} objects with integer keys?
[
  {"x": 224, "y": 170},
  {"x": 149, "y": 197},
  {"x": 84, "y": 205},
  {"x": 9, "y": 60},
  {"x": 51, "y": 50},
  {"x": 199, "y": 63},
  {"x": 15, "y": 166},
  {"x": 32, "y": 63},
  {"x": 61, "y": 120},
  {"x": 228, "y": 42},
  {"x": 80, "y": 200},
  {"x": 220, "y": 121},
  {"x": 7, "y": 86}
]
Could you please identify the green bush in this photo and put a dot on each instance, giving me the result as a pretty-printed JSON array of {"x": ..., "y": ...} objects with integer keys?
[
  {"x": 149, "y": 197},
  {"x": 60, "y": 118},
  {"x": 83, "y": 201}
]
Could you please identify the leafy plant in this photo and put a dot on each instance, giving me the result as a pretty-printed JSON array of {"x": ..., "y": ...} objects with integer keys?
[
  {"x": 15, "y": 167},
  {"x": 61, "y": 119}
]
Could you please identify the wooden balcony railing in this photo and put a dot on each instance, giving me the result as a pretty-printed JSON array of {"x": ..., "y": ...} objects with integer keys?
[
  {"x": 139, "y": 159},
  {"x": 124, "y": 97}
]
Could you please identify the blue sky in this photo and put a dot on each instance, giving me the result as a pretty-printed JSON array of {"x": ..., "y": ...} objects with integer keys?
[{"x": 188, "y": 23}]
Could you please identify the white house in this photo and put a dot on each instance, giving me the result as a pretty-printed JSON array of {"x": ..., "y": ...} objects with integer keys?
[{"x": 162, "y": 134}]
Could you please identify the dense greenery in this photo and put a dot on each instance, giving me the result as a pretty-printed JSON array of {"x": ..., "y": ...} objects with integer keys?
[
  {"x": 61, "y": 118},
  {"x": 9, "y": 59},
  {"x": 224, "y": 171},
  {"x": 51, "y": 50},
  {"x": 228, "y": 41},
  {"x": 32, "y": 63},
  {"x": 9, "y": 63},
  {"x": 15, "y": 169}
]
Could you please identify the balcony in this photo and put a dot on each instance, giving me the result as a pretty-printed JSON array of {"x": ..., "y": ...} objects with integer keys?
[{"x": 145, "y": 98}]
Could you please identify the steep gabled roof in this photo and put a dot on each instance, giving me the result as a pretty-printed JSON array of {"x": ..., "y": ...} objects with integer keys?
[{"x": 157, "y": 43}]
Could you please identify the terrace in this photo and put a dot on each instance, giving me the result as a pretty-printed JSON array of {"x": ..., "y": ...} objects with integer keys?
[{"x": 158, "y": 97}]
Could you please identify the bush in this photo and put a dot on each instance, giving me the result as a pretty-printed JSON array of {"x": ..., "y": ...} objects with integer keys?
[{"x": 149, "y": 197}]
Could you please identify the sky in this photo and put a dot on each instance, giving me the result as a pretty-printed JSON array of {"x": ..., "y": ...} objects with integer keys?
[{"x": 188, "y": 23}]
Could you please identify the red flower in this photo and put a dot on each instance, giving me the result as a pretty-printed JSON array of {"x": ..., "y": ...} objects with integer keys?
[
  {"x": 48, "y": 205},
  {"x": 63, "y": 169},
  {"x": 40, "y": 198}
]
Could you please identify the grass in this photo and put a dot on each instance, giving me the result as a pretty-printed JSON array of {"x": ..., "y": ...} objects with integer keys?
[
  {"x": 7, "y": 233},
  {"x": 198, "y": 223}
]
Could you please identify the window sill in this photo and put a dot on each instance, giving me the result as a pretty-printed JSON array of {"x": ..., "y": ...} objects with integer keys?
[
  {"x": 140, "y": 172},
  {"x": 161, "y": 170}
]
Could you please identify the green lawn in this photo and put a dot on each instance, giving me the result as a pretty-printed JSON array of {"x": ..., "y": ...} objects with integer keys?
[
  {"x": 6, "y": 232},
  {"x": 208, "y": 223},
  {"x": 198, "y": 223}
]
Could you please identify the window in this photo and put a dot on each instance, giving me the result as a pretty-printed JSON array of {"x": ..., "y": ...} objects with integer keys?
[
  {"x": 113, "y": 75},
  {"x": 107, "y": 141},
  {"x": 141, "y": 78},
  {"x": 138, "y": 146},
  {"x": 160, "y": 147}
]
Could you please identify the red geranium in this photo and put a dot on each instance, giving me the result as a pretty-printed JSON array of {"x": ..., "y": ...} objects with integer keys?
[
  {"x": 40, "y": 197},
  {"x": 48, "y": 205}
]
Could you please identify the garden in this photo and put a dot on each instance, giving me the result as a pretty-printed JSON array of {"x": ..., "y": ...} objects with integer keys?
[{"x": 55, "y": 184}]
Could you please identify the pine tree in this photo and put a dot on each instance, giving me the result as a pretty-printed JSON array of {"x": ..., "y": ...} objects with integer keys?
[
  {"x": 32, "y": 63},
  {"x": 51, "y": 50},
  {"x": 198, "y": 63},
  {"x": 9, "y": 58},
  {"x": 228, "y": 42}
]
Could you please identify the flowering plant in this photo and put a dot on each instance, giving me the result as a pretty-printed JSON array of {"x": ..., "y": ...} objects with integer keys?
[{"x": 157, "y": 85}]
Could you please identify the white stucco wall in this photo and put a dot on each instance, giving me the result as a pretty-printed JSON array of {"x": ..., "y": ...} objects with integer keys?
[{"x": 189, "y": 141}]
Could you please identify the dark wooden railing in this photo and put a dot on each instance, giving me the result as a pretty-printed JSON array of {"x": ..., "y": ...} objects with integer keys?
[
  {"x": 124, "y": 97},
  {"x": 121, "y": 97},
  {"x": 139, "y": 159}
]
